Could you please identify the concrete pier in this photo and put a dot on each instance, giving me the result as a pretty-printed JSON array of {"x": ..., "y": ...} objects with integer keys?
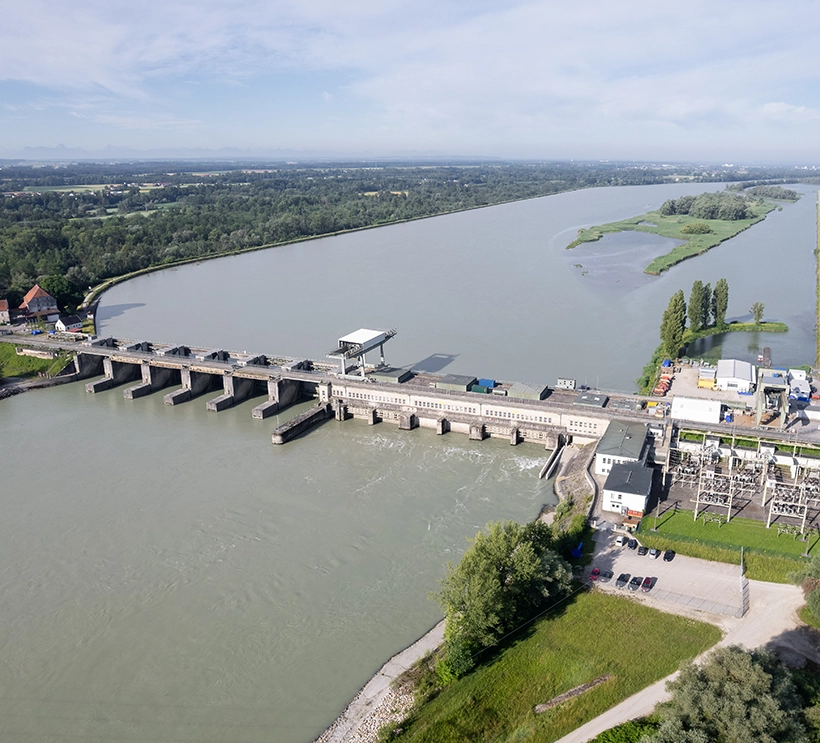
[
  {"x": 281, "y": 394},
  {"x": 153, "y": 378},
  {"x": 442, "y": 426},
  {"x": 408, "y": 421},
  {"x": 116, "y": 373},
  {"x": 477, "y": 432},
  {"x": 193, "y": 385},
  {"x": 302, "y": 423},
  {"x": 236, "y": 389}
]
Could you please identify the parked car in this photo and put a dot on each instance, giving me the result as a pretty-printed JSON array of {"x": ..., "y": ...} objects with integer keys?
[
  {"x": 647, "y": 584},
  {"x": 632, "y": 544},
  {"x": 635, "y": 583},
  {"x": 669, "y": 555},
  {"x": 594, "y": 574},
  {"x": 642, "y": 550},
  {"x": 654, "y": 553},
  {"x": 605, "y": 577},
  {"x": 620, "y": 540},
  {"x": 623, "y": 579}
]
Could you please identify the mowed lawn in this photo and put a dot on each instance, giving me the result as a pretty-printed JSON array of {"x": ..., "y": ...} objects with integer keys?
[
  {"x": 595, "y": 635},
  {"x": 770, "y": 557},
  {"x": 737, "y": 533}
]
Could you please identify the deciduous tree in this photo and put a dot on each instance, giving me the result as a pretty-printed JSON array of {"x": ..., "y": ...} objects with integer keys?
[
  {"x": 697, "y": 304},
  {"x": 506, "y": 574},
  {"x": 720, "y": 302},
  {"x": 673, "y": 324},
  {"x": 735, "y": 696},
  {"x": 757, "y": 311}
]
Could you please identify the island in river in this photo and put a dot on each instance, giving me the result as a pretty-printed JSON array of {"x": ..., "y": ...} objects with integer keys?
[{"x": 697, "y": 232}]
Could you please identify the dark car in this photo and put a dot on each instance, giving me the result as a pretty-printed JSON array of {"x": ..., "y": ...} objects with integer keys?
[
  {"x": 654, "y": 553},
  {"x": 594, "y": 574},
  {"x": 669, "y": 555},
  {"x": 647, "y": 584},
  {"x": 632, "y": 544},
  {"x": 635, "y": 583},
  {"x": 623, "y": 579},
  {"x": 605, "y": 576},
  {"x": 642, "y": 550}
]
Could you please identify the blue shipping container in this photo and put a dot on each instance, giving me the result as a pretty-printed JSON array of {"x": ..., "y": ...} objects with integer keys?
[{"x": 489, "y": 383}]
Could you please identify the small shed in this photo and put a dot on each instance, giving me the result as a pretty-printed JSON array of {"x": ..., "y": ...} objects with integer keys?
[
  {"x": 455, "y": 382},
  {"x": 527, "y": 391},
  {"x": 391, "y": 374},
  {"x": 565, "y": 383}
]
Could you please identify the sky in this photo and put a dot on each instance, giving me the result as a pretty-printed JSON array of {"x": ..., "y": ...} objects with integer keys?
[{"x": 585, "y": 79}]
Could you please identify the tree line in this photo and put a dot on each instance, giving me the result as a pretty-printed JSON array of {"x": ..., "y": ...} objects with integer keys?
[
  {"x": 707, "y": 308},
  {"x": 717, "y": 205},
  {"x": 108, "y": 220}
]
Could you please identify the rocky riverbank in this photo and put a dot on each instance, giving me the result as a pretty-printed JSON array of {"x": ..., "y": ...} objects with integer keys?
[{"x": 378, "y": 704}]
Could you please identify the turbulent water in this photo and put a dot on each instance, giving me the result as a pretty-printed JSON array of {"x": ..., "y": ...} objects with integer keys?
[{"x": 169, "y": 575}]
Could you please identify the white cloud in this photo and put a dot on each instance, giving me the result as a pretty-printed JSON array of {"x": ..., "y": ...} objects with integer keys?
[{"x": 468, "y": 73}]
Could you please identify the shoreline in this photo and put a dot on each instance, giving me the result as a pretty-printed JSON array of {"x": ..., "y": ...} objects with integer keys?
[{"x": 376, "y": 704}]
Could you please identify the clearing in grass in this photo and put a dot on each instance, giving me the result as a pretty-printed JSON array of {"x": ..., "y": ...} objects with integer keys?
[{"x": 595, "y": 635}]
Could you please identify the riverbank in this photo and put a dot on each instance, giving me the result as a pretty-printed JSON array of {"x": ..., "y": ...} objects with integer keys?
[{"x": 378, "y": 704}]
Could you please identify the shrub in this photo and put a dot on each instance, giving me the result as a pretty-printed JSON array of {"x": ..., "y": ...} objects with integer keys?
[
  {"x": 813, "y": 601},
  {"x": 696, "y": 228}
]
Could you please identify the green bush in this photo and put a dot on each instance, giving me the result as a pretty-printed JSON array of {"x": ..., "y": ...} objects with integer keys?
[
  {"x": 696, "y": 228},
  {"x": 628, "y": 732},
  {"x": 813, "y": 602}
]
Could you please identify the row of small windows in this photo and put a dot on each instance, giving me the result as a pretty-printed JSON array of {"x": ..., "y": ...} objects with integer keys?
[{"x": 520, "y": 416}]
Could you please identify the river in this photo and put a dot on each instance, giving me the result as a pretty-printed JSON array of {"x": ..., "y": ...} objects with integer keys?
[{"x": 169, "y": 575}]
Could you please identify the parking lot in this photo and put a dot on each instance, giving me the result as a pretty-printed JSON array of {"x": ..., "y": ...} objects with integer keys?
[{"x": 688, "y": 582}]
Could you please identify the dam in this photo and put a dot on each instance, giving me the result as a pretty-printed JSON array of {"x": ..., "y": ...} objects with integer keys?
[{"x": 513, "y": 411}]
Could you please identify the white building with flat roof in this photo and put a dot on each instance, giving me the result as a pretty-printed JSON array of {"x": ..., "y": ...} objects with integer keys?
[{"x": 735, "y": 375}]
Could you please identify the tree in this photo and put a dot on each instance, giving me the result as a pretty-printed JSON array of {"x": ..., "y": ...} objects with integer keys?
[
  {"x": 697, "y": 305},
  {"x": 735, "y": 696},
  {"x": 673, "y": 324},
  {"x": 757, "y": 310},
  {"x": 706, "y": 318},
  {"x": 720, "y": 302},
  {"x": 506, "y": 574}
]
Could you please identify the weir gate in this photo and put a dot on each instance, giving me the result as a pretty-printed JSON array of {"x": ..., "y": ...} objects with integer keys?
[{"x": 145, "y": 368}]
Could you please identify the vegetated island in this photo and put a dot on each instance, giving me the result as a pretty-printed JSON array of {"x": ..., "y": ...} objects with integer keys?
[{"x": 701, "y": 221}]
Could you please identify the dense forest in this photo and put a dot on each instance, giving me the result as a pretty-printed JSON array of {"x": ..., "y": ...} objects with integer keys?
[{"x": 72, "y": 226}]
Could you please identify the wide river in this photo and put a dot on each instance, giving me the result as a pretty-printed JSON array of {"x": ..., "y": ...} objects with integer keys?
[{"x": 168, "y": 575}]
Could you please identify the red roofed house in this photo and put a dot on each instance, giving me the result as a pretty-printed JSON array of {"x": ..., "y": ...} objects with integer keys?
[
  {"x": 39, "y": 303},
  {"x": 4, "y": 311}
]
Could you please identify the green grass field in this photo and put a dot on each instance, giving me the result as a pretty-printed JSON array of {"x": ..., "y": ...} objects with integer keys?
[
  {"x": 595, "y": 635},
  {"x": 658, "y": 224},
  {"x": 768, "y": 557},
  {"x": 12, "y": 365}
]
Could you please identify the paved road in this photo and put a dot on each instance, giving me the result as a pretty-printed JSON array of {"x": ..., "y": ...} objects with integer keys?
[{"x": 771, "y": 621}]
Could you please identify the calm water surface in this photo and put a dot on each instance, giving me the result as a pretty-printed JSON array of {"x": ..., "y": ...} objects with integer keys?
[
  {"x": 169, "y": 575},
  {"x": 490, "y": 292}
]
